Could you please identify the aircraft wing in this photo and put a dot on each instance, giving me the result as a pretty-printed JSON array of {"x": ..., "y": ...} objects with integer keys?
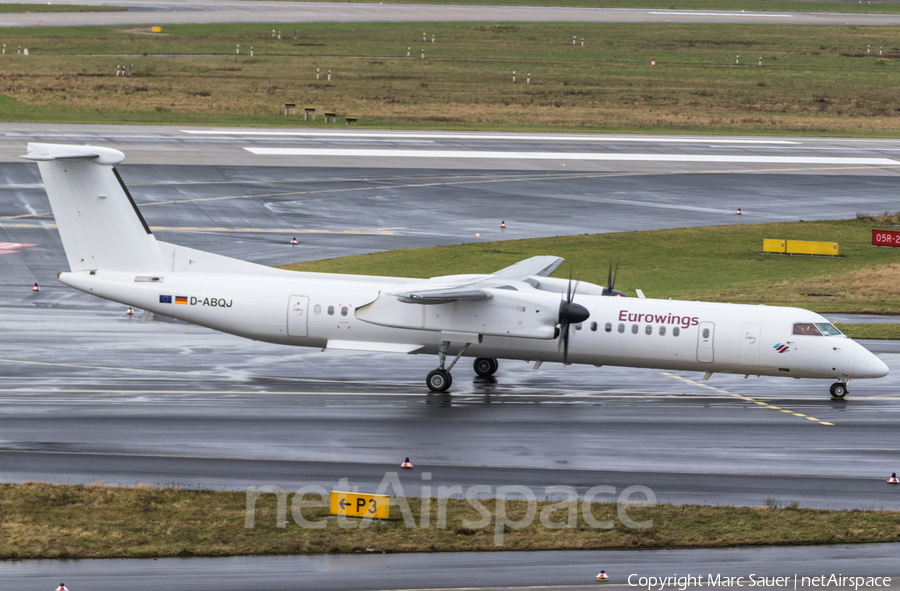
[
  {"x": 443, "y": 290},
  {"x": 541, "y": 266}
]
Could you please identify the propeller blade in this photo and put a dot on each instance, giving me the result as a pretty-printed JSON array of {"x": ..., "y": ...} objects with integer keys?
[
  {"x": 611, "y": 280},
  {"x": 570, "y": 313},
  {"x": 609, "y": 277},
  {"x": 612, "y": 284},
  {"x": 575, "y": 287}
]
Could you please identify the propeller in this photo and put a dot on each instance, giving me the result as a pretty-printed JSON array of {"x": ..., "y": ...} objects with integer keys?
[
  {"x": 611, "y": 281},
  {"x": 569, "y": 313}
]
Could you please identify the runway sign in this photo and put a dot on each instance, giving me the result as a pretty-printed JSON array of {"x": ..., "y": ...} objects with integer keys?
[
  {"x": 886, "y": 238},
  {"x": 360, "y": 505}
]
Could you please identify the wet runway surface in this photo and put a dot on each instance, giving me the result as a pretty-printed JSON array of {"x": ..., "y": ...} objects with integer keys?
[
  {"x": 162, "y": 12},
  {"x": 224, "y": 198},
  {"x": 94, "y": 395},
  {"x": 88, "y": 393}
]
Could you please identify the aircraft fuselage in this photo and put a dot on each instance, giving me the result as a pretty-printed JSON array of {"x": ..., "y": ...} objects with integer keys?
[{"x": 314, "y": 310}]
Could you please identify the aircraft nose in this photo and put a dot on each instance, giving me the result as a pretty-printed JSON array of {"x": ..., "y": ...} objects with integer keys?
[
  {"x": 867, "y": 365},
  {"x": 878, "y": 368}
]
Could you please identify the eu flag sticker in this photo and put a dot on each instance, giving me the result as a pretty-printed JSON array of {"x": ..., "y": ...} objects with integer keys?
[{"x": 165, "y": 299}]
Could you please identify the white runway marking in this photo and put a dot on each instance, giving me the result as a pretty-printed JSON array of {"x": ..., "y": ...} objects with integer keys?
[
  {"x": 497, "y": 155},
  {"x": 481, "y": 136}
]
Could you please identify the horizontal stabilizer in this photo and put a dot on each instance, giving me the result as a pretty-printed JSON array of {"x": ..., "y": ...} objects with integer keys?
[{"x": 47, "y": 152}]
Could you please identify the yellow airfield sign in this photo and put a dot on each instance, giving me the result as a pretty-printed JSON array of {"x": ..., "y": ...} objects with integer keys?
[{"x": 360, "y": 505}]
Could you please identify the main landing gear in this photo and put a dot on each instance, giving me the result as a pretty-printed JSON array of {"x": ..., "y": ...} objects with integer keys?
[
  {"x": 439, "y": 379},
  {"x": 486, "y": 366},
  {"x": 839, "y": 390}
]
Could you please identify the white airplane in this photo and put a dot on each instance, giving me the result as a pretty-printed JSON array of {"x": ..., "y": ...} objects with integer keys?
[{"x": 516, "y": 313}]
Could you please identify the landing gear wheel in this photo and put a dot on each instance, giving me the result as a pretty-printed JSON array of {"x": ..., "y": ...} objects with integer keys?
[
  {"x": 439, "y": 380},
  {"x": 838, "y": 390},
  {"x": 485, "y": 366}
]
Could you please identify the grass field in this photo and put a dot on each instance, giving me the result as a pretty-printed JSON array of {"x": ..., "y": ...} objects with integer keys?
[
  {"x": 720, "y": 264},
  {"x": 76, "y": 521},
  {"x": 814, "y": 80},
  {"x": 48, "y": 7},
  {"x": 871, "y": 331}
]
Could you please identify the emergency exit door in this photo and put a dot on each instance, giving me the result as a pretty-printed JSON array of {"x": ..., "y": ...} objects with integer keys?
[
  {"x": 297, "y": 313},
  {"x": 705, "y": 339}
]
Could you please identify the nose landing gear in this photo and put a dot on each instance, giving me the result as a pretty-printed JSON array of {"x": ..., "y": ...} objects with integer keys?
[
  {"x": 839, "y": 390},
  {"x": 439, "y": 379}
]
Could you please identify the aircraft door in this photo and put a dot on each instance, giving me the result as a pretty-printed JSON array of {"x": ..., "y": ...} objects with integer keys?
[
  {"x": 705, "y": 337},
  {"x": 750, "y": 344},
  {"x": 297, "y": 313}
]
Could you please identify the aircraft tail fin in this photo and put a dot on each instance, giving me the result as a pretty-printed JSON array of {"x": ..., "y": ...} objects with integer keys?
[{"x": 99, "y": 223}]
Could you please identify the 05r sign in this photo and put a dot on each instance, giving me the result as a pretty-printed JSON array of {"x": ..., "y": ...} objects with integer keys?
[
  {"x": 886, "y": 238},
  {"x": 360, "y": 505}
]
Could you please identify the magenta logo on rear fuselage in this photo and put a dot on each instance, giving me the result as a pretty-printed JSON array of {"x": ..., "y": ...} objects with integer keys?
[{"x": 683, "y": 321}]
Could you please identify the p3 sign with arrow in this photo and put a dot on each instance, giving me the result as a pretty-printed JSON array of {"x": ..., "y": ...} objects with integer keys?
[{"x": 360, "y": 505}]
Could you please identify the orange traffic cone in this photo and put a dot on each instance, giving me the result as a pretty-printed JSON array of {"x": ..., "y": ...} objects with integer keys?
[
  {"x": 130, "y": 312},
  {"x": 502, "y": 225},
  {"x": 407, "y": 465},
  {"x": 893, "y": 479},
  {"x": 36, "y": 287},
  {"x": 293, "y": 241},
  {"x": 602, "y": 576},
  {"x": 652, "y": 61},
  {"x": 739, "y": 212}
]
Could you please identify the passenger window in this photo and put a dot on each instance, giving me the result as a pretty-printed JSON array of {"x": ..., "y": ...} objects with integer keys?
[
  {"x": 593, "y": 326},
  {"x": 676, "y": 331},
  {"x": 806, "y": 329},
  {"x": 634, "y": 329},
  {"x": 621, "y": 328},
  {"x": 343, "y": 310},
  {"x": 331, "y": 310},
  {"x": 649, "y": 329},
  {"x": 609, "y": 327},
  {"x": 578, "y": 326},
  {"x": 318, "y": 309},
  {"x": 662, "y": 331},
  {"x": 705, "y": 333}
]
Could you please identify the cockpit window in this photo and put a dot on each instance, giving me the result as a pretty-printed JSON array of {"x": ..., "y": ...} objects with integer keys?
[
  {"x": 817, "y": 330},
  {"x": 828, "y": 329},
  {"x": 807, "y": 329}
]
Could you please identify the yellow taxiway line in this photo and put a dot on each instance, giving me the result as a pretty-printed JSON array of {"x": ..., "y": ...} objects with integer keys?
[{"x": 749, "y": 399}]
